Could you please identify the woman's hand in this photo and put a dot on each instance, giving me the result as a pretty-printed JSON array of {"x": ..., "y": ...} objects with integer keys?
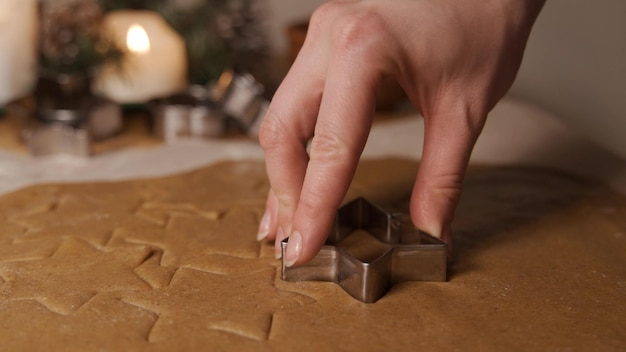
[{"x": 454, "y": 58}]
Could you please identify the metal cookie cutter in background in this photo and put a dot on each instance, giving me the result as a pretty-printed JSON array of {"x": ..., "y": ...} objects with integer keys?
[
  {"x": 240, "y": 97},
  {"x": 67, "y": 117},
  {"x": 189, "y": 114},
  {"x": 369, "y": 250},
  {"x": 235, "y": 100}
]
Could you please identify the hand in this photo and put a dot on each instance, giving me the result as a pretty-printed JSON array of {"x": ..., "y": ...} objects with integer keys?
[{"x": 454, "y": 58}]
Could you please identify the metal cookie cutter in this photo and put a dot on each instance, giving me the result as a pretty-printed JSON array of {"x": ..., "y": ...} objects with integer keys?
[
  {"x": 190, "y": 114},
  {"x": 68, "y": 117},
  {"x": 400, "y": 253},
  {"x": 234, "y": 100},
  {"x": 240, "y": 97}
]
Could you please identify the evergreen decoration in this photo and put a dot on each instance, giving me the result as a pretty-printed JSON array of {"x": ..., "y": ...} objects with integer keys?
[{"x": 71, "y": 38}]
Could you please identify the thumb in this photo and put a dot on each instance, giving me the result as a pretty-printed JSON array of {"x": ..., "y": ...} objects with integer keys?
[{"x": 449, "y": 138}]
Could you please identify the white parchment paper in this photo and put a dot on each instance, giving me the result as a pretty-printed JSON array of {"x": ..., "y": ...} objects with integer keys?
[{"x": 516, "y": 133}]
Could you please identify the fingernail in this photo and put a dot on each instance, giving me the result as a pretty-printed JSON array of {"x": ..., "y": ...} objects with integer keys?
[
  {"x": 264, "y": 226},
  {"x": 277, "y": 248},
  {"x": 294, "y": 248}
]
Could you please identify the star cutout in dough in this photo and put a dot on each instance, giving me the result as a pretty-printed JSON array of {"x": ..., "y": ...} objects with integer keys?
[
  {"x": 161, "y": 213},
  {"x": 188, "y": 238},
  {"x": 231, "y": 184},
  {"x": 11, "y": 251},
  {"x": 82, "y": 216},
  {"x": 104, "y": 323},
  {"x": 198, "y": 303},
  {"x": 72, "y": 275},
  {"x": 29, "y": 250},
  {"x": 29, "y": 201}
]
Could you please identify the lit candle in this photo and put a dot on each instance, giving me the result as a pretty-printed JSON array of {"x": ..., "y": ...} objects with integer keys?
[
  {"x": 18, "y": 43},
  {"x": 155, "y": 64}
]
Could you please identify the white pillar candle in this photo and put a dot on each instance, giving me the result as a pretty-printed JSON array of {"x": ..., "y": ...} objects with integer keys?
[
  {"x": 155, "y": 64},
  {"x": 18, "y": 48}
]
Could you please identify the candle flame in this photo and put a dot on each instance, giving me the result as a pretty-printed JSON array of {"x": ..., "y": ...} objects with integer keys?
[{"x": 137, "y": 39}]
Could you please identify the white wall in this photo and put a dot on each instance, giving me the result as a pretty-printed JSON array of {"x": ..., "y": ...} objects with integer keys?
[
  {"x": 575, "y": 66},
  {"x": 575, "y": 63}
]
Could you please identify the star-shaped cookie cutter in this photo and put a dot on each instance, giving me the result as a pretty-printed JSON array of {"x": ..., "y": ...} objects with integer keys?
[{"x": 406, "y": 254}]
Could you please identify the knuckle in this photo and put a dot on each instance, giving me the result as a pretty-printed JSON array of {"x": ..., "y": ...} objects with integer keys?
[
  {"x": 471, "y": 116},
  {"x": 311, "y": 203},
  {"x": 467, "y": 108},
  {"x": 352, "y": 26},
  {"x": 323, "y": 15},
  {"x": 331, "y": 148},
  {"x": 436, "y": 199},
  {"x": 271, "y": 132},
  {"x": 447, "y": 185},
  {"x": 359, "y": 29}
]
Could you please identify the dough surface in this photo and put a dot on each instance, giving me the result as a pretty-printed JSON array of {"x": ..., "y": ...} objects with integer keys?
[{"x": 173, "y": 264}]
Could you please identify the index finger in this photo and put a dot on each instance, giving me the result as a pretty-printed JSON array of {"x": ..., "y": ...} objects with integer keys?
[
  {"x": 286, "y": 129},
  {"x": 342, "y": 128}
]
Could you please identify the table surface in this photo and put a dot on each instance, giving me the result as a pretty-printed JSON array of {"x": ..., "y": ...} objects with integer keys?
[{"x": 516, "y": 133}]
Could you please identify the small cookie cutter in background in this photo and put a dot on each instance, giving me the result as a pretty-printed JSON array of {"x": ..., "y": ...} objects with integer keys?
[
  {"x": 234, "y": 100},
  {"x": 407, "y": 254},
  {"x": 240, "y": 97},
  {"x": 67, "y": 118},
  {"x": 189, "y": 114}
]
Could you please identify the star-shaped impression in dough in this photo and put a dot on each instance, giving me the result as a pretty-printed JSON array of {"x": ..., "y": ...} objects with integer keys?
[
  {"x": 74, "y": 274},
  {"x": 103, "y": 323},
  {"x": 12, "y": 250},
  {"x": 369, "y": 250},
  {"x": 199, "y": 303},
  {"x": 83, "y": 216},
  {"x": 187, "y": 239}
]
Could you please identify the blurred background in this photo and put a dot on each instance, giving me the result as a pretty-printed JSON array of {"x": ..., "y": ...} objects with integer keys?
[
  {"x": 133, "y": 52},
  {"x": 575, "y": 63}
]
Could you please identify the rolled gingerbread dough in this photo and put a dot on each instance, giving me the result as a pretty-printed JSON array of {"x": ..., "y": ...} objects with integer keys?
[{"x": 173, "y": 264}]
